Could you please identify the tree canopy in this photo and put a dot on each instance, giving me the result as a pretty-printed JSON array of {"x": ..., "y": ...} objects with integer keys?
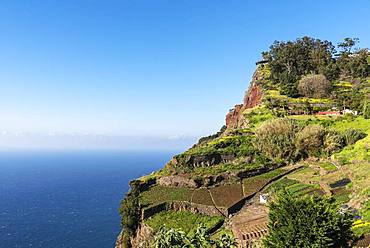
[
  {"x": 290, "y": 60},
  {"x": 307, "y": 222}
]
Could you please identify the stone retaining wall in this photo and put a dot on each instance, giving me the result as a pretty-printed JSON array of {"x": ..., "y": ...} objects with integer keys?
[{"x": 183, "y": 206}]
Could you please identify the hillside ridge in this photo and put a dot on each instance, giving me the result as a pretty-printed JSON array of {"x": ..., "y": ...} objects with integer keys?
[{"x": 302, "y": 127}]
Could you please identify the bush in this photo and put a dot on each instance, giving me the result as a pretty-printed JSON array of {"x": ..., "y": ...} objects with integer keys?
[
  {"x": 351, "y": 136},
  {"x": 176, "y": 238},
  {"x": 310, "y": 140},
  {"x": 366, "y": 110},
  {"x": 307, "y": 222},
  {"x": 333, "y": 142},
  {"x": 130, "y": 215},
  {"x": 275, "y": 138},
  {"x": 316, "y": 86}
]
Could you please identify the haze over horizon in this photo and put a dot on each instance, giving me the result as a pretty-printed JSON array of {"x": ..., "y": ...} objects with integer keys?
[{"x": 142, "y": 74}]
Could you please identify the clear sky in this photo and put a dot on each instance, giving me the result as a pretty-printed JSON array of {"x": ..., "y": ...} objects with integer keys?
[{"x": 165, "y": 69}]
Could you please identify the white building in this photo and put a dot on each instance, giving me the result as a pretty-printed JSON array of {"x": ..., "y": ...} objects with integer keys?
[
  {"x": 264, "y": 198},
  {"x": 348, "y": 111}
]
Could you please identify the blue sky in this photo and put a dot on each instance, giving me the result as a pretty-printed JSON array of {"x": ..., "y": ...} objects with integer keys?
[{"x": 166, "y": 69}]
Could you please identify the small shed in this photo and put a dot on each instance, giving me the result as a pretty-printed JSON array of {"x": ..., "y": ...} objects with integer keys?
[
  {"x": 264, "y": 198},
  {"x": 349, "y": 112}
]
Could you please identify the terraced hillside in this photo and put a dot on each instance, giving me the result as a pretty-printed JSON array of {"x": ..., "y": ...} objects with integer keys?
[{"x": 285, "y": 136}]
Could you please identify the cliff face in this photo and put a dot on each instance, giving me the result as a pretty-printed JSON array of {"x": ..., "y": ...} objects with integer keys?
[
  {"x": 200, "y": 156},
  {"x": 252, "y": 98}
]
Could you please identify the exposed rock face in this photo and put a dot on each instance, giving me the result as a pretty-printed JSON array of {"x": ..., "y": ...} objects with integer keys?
[
  {"x": 208, "y": 160},
  {"x": 252, "y": 98},
  {"x": 234, "y": 118},
  {"x": 141, "y": 239},
  {"x": 178, "y": 181},
  {"x": 143, "y": 235},
  {"x": 201, "y": 160}
]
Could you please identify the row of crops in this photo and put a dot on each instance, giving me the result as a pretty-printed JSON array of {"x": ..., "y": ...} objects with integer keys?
[{"x": 223, "y": 196}]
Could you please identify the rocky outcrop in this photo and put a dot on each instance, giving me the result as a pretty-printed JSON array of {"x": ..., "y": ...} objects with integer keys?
[
  {"x": 192, "y": 161},
  {"x": 142, "y": 185},
  {"x": 142, "y": 238},
  {"x": 235, "y": 119},
  {"x": 178, "y": 181},
  {"x": 144, "y": 235},
  {"x": 252, "y": 98}
]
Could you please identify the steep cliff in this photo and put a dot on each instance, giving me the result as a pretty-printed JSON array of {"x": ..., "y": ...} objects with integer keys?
[{"x": 253, "y": 97}]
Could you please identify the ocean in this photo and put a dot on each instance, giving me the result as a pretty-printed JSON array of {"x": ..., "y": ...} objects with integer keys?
[{"x": 67, "y": 199}]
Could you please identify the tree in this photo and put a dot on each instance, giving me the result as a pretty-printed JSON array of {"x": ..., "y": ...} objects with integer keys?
[
  {"x": 307, "y": 222},
  {"x": 275, "y": 138},
  {"x": 290, "y": 60},
  {"x": 316, "y": 86},
  {"x": 310, "y": 140},
  {"x": 347, "y": 45}
]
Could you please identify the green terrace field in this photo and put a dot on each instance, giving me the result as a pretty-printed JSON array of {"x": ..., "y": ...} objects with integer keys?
[
  {"x": 254, "y": 184},
  {"x": 220, "y": 196},
  {"x": 294, "y": 187},
  {"x": 327, "y": 166},
  {"x": 158, "y": 194},
  {"x": 183, "y": 220}
]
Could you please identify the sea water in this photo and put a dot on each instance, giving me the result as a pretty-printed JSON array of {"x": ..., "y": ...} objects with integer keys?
[{"x": 67, "y": 199}]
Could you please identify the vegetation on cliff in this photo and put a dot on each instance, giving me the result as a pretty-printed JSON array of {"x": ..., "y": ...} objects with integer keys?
[{"x": 303, "y": 128}]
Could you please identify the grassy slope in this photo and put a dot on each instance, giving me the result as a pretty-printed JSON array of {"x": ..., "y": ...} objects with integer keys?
[{"x": 356, "y": 159}]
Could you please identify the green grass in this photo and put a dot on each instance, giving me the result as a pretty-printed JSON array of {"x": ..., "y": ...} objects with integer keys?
[
  {"x": 257, "y": 116},
  {"x": 355, "y": 123},
  {"x": 305, "y": 173},
  {"x": 361, "y": 149},
  {"x": 232, "y": 144},
  {"x": 183, "y": 220},
  {"x": 327, "y": 166},
  {"x": 157, "y": 194}
]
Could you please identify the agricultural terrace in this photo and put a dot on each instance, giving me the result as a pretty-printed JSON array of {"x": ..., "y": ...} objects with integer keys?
[
  {"x": 183, "y": 220},
  {"x": 254, "y": 184}
]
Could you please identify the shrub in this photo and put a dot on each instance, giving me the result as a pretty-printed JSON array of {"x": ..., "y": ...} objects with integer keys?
[
  {"x": 130, "y": 215},
  {"x": 307, "y": 222},
  {"x": 176, "y": 238},
  {"x": 333, "y": 141},
  {"x": 316, "y": 86},
  {"x": 352, "y": 135},
  {"x": 366, "y": 110},
  {"x": 275, "y": 138},
  {"x": 310, "y": 139}
]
